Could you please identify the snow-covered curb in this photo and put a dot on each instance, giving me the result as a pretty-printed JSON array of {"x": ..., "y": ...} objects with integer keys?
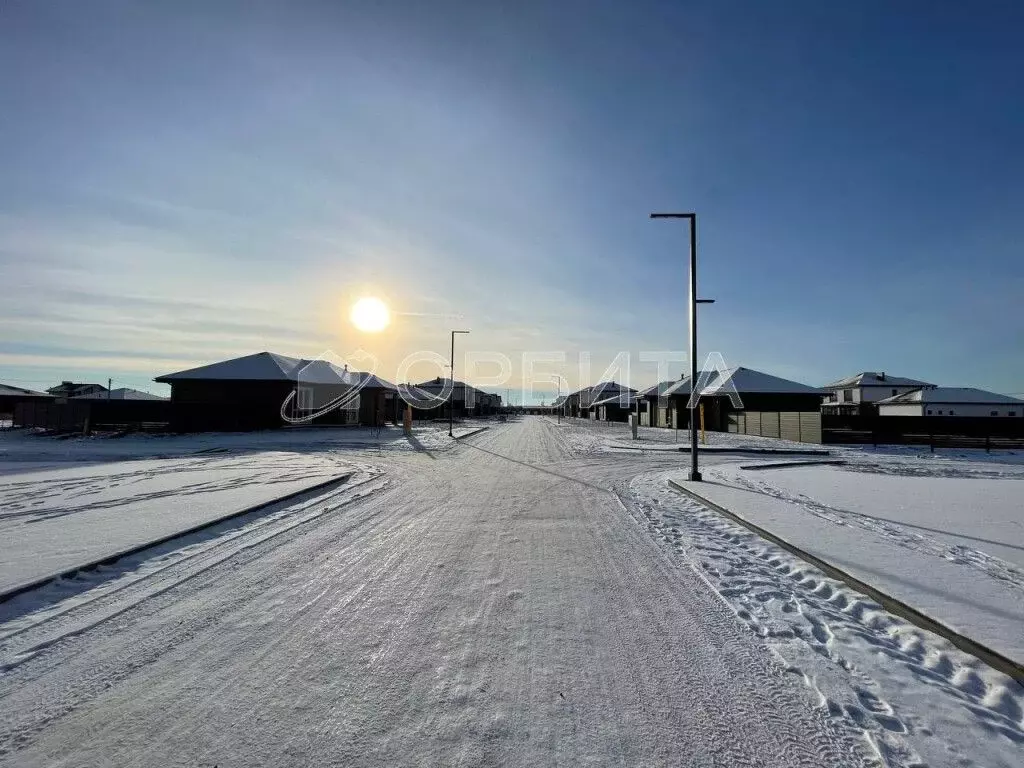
[
  {"x": 35, "y": 583},
  {"x": 994, "y": 659}
]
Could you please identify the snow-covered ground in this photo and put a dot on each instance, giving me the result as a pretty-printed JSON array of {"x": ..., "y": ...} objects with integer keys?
[
  {"x": 67, "y": 502},
  {"x": 57, "y": 519},
  {"x": 22, "y": 450},
  {"x": 950, "y": 546},
  {"x": 494, "y": 601}
]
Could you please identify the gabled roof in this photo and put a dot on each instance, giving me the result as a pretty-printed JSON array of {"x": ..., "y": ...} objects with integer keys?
[
  {"x": 626, "y": 399},
  {"x": 440, "y": 382},
  {"x": 262, "y": 366},
  {"x": 658, "y": 390},
  {"x": 7, "y": 390},
  {"x": 951, "y": 396},
  {"x": 745, "y": 380},
  {"x": 122, "y": 393},
  {"x": 872, "y": 379}
]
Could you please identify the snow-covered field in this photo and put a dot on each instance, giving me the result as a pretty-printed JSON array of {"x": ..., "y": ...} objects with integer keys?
[
  {"x": 67, "y": 502},
  {"x": 54, "y": 520}
]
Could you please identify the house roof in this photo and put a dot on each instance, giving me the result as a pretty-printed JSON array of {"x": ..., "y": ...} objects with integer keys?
[
  {"x": 951, "y": 396},
  {"x": 659, "y": 389},
  {"x": 872, "y": 379},
  {"x": 122, "y": 393},
  {"x": 269, "y": 366},
  {"x": 627, "y": 398},
  {"x": 7, "y": 390},
  {"x": 65, "y": 386},
  {"x": 440, "y": 382},
  {"x": 745, "y": 380},
  {"x": 262, "y": 366}
]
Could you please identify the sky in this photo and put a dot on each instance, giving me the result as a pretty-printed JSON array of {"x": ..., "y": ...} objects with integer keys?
[{"x": 191, "y": 181}]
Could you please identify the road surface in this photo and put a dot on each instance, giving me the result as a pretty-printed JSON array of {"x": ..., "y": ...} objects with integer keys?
[{"x": 494, "y": 604}]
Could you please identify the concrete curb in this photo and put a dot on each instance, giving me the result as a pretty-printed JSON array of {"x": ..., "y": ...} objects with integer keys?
[
  {"x": 7, "y": 594},
  {"x": 470, "y": 434},
  {"x": 737, "y": 451},
  {"x": 785, "y": 464},
  {"x": 993, "y": 658}
]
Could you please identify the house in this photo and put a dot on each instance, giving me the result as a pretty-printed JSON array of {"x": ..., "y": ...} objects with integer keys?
[
  {"x": 488, "y": 403},
  {"x": 951, "y": 401},
  {"x": 617, "y": 407},
  {"x": 259, "y": 391},
  {"x": 582, "y": 402},
  {"x": 772, "y": 406},
  {"x": 858, "y": 394},
  {"x": 461, "y": 395},
  {"x": 121, "y": 393},
  {"x": 11, "y": 396},
  {"x": 654, "y": 405},
  {"x": 71, "y": 389}
]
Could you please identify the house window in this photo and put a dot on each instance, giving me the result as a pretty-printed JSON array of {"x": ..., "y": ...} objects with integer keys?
[
  {"x": 305, "y": 398},
  {"x": 951, "y": 412},
  {"x": 929, "y": 411},
  {"x": 993, "y": 413},
  {"x": 1012, "y": 413},
  {"x": 847, "y": 395},
  {"x": 940, "y": 413},
  {"x": 894, "y": 393}
]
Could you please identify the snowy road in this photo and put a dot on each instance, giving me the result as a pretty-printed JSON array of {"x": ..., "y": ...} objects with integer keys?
[{"x": 495, "y": 603}]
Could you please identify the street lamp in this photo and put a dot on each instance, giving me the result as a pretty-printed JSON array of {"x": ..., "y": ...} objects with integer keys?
[
  {"x": 694, "y": 301},
  {"x": 451, "y": 395}
]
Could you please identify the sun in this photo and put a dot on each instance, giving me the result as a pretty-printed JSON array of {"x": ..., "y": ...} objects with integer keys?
[{"x": 370, "y": 314}]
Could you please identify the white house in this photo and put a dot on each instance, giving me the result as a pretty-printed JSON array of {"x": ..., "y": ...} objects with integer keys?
[
  {"x": 849, "y": 394},
  {"x": 951, "y": 401}
]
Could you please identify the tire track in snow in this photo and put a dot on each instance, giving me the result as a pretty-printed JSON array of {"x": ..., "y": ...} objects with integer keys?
[{"x": 797, "y": 609}]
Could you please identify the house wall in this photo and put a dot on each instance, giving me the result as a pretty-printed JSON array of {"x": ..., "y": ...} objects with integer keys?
[
  {"x": 903, "y": 409},
  {"x": 973, "y": 410}
]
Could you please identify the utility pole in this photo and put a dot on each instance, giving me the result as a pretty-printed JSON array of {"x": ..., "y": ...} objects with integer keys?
[
  {"x": 451, "y": 394},
  {"x": 694, "y": 301}
]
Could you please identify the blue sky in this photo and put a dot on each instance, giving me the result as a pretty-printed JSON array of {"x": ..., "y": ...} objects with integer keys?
[{"x": 185, "y": 182}]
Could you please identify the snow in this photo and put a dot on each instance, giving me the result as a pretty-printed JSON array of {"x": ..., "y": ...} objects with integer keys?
[
  {"x": 121, "y": 393},
  {"x": 525, "y": 596},
  {"x": 55, "y": 520},
  {"x": 744, "y": 380},
  {"x": 935, "y": 543},
  {"x": 952, "y": 396},
  {"x": 262, "y": 366},
  {"x": 873, "y": 379}
]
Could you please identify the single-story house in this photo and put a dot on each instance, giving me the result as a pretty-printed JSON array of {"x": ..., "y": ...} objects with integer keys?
[
  {"x": 120, "y": 393},
  {"x": 11, "y": 396},
  {"x": 617, "y": 407},
  {"x": 771, "y": 406},
  {"x": 265, "y": 390},
  {"x": 654, "y": 404},
  {"x": 857, "y": 395},
  {"x": 463, "y": 398},
  {"x": 952, "y": 401}
]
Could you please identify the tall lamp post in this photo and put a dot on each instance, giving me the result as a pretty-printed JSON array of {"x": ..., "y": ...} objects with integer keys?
[
  {"x": 694, "y": 301},
  {"x": 451, "y": 395}
]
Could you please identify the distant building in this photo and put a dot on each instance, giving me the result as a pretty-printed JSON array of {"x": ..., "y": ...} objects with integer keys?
[
  {"x": 952, "y": 401},
  {"x": 772, "y": 406},
  {"x": 11, "y": 396},
  {"x": 71, "y": 389},
  {"x": 250, "y": 392},
  {"x": 654, "y": 404},
  {"x": 463, "y": 398},
  {"x": 121, "y": 393},
  {"x": 858, "y": 394}
]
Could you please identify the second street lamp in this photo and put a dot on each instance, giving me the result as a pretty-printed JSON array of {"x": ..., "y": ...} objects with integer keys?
[
  {"x": 694, "y": 301},
  {"x": 451, "y": 394}
]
